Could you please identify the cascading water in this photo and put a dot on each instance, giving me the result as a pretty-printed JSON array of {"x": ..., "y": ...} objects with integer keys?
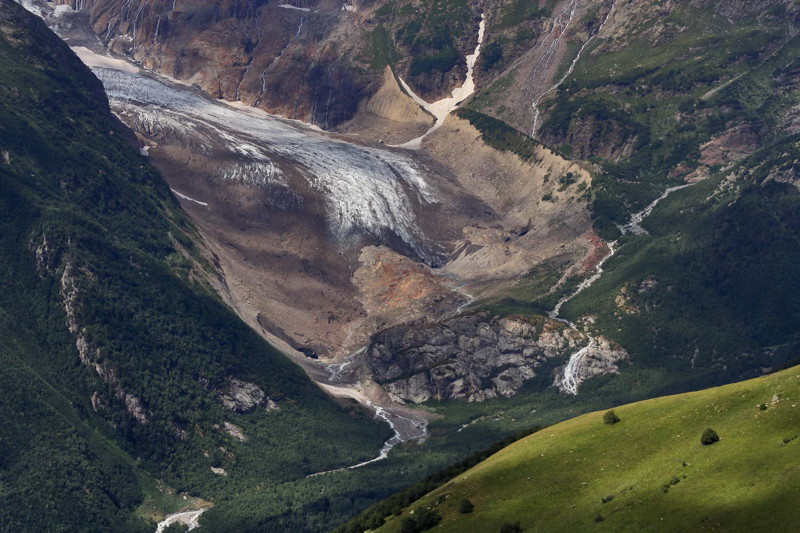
[
  {"x": 570, "y": 379},
  {"x": 554, "y": 37}
]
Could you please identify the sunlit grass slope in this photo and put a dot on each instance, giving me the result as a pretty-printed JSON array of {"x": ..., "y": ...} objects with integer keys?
[{"x": 649, "y": 472}]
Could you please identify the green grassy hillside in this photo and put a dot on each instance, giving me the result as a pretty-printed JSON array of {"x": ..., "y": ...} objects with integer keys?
[
  {"x": 648, "y": 472},
  {"x": 96, "y": 254},
  {"x": 710, "y": 293}
]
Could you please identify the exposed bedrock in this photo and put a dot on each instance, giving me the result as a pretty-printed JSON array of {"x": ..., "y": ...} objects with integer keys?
[
  {"x": 478, "y": 356},
  {"x": 311, "y": 60}
]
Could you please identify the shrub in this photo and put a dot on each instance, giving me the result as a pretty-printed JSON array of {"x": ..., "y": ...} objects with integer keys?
[
  {"x": 762, "y": 407},
  {"x": 465, "y": 507},
  {"x": 409, "y": 525},
  {"x": 443, "y": 61},
  {"x": 610, "y": 417},
  {"x": 709, "y": 437},
  {"x": 511, "y": 527},
  {"x": 426, "y": 519},
  {"x": 608, "y": 498}
]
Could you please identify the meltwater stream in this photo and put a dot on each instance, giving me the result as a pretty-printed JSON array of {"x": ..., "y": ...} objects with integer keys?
[
  {"x": 570, "y": 380},
  {"x": 552, "y": 40}
]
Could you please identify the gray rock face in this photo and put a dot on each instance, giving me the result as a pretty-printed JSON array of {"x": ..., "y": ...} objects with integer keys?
[
  {"x": 241, "y": 396},
  {"x": 474, "y": 357},
  {"x": 601, "y": 357}
]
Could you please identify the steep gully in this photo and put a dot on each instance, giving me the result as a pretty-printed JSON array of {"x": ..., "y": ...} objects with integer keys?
[
  {"x": 442, "y": 108},
  {"x": 552, "y": 40},
  {"x": 569, "y": 382}
]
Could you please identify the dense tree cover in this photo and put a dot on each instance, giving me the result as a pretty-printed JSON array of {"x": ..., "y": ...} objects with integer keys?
[
  {"x": 87, "y": 223},
  {"x": 500, "y": 135}
]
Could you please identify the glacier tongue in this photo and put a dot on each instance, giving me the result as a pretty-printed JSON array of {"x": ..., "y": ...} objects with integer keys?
[{"x": 365, "y": 188}]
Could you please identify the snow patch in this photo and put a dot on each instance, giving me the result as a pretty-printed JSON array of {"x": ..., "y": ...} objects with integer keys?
[
  {"x": 440, "y": 109},
  {"x": 95, "y": 60},
  {"x": 179, "y": 195},
  {"x": 188, "y": 518},
  {"x": 289, "y": 6},
  {"x": 62, "y": 9}
]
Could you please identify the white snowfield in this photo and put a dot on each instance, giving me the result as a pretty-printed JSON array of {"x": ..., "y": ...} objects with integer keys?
[
  {"x": 441, "y": 108},
  {"x": 187, "y": 198},
  {"x": 366, "y": 189}
]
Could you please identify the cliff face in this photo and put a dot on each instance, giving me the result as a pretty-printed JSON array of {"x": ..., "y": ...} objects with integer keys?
[
  {"x": 479, "y": 356},
  {"x": 316, "y": 61},
  {"x": 295, "y": 62}
]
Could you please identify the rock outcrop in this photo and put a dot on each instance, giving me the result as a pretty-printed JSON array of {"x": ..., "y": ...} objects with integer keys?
[
  {"x": 476, "y": 356},
  {"x": 602, "y": 356},
  {"x": 242, "y": 397}
]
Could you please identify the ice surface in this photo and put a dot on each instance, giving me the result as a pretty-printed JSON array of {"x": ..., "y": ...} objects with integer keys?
[{"x": 365, "y": 188}]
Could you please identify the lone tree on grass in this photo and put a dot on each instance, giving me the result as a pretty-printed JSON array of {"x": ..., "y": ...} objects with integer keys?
[
  {"x": 465, "y": 507},
  {"x": 709, "y": 437},
  {"x": 610, "y": 417},
  {"x": 409, "y": 525},
  {"x": 511, "y": 527}
]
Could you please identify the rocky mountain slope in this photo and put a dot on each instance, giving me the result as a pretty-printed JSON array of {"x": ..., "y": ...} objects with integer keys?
[
  {"x": 120, "y": 365},
  {"x": 476, "y": 356},
  {"x": 443, "y": 273},
  {"x": 316, "y": 60},
  {"x": 498, "y": 212}
]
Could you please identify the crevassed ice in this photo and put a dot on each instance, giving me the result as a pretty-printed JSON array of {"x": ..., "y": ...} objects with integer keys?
[{"x": 365, "y": 188}]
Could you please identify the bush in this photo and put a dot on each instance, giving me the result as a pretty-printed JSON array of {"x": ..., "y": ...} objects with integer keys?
[
  {"x": 709, "y": 437},
  {"x": 608, "y": 498},
  {"x": 409, "y": 525},
  {"x": 510, "y": 527},
  {"x": 492, "y": 55},
  {"x": 762, "y": 407},
  {"x": 426, "y": 518},
  {"x": 443, "y": 61},
  {"x": 610, "y": 417},
  {"x": 465, "y": 507}
]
